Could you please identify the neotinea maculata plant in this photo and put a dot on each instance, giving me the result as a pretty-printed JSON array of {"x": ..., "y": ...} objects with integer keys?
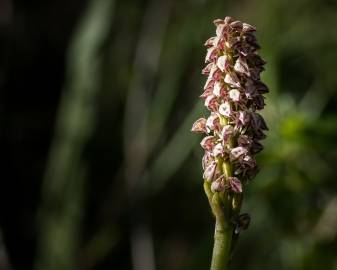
[{"x": 233, "y": 94}]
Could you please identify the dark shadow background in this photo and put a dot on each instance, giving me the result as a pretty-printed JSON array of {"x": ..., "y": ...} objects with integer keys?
[{"x": 99, "y": 168}]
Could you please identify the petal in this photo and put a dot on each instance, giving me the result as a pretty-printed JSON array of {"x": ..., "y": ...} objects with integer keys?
[
  {"x": 207, "y": 92},
  {"x": 220, "y": 29},
  {"x": 237, "y": 25},
  {"x": 241, "y": 66},
  {"x": 213, "y": 71},
  {"x": 248, "y": 28},
  {"x": 232, "y": 80},
  {"x": 244, "y": 118},
  {"x": 238, "y": 152},
  {"x": 258, "y": 102},
  {"x": 207, "y": 159},
  {"x": 262, "y": 88},
  {"x": 258, "y": 122},
  {"x": 259, "y": 135},
  {"x": 234, "y": 95},
  {"x": 207, "y": 69},
  {"x": 248, "y": 161},
  {"x": 211, "y": 54},
  {"x": 250, "y": 174},
  {"x": 211, "y": 102},
  {"x": 225, "y": 109},
  {"x": 212, "y": 42},
  {"x": 213, "y": 122},
  {"x": 218, "y": 21},
  {"x": 250, "y": 89},
  {"x": 218, "y": 150},
  {"x": 216, "y": 41},
  {"x": 222, "y": 62},
  {"x": 255, "y": 73},
  {"x": 256, "y": 147},
  {"x": 209, "y": 42},
  {"x": 232, "y": 42},
  {"x": 226, "y": 132},
  {"x": 218, "y": 89},
  {"x": 209, "y": 83},
  {"x": 244, "y": 141},
  {"x": 228, "y": 20},
  {"x": 207, "y": 143},
  {"x": 258, "y": 61},
  {"x": 199, "y": 126}
]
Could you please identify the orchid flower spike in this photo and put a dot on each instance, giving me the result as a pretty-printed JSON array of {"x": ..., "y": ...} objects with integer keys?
[{"x": 234, "y": 95}]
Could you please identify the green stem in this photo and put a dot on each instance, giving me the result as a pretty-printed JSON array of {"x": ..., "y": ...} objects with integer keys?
[
  {"x": 222, "y": 247},
  {"x": 227, "y": 169},
  {"x": 215, "y": 203},
  {"x": 223, "y": 229},
  {"x": 222, "y": 205}
]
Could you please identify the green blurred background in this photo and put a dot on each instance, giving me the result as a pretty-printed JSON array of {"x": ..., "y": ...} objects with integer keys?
[{"x": 100, "y": 170}]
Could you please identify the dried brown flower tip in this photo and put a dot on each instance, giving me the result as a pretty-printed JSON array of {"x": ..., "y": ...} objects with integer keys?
[{"x": 242, "y": 222}]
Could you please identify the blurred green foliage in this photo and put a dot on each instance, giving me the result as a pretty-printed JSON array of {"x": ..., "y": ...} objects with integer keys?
[
  {"x": 123, "y": 181},
  {"x": 150, "y": 81}
]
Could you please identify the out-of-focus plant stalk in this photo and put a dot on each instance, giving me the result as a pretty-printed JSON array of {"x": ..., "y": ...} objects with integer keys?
[
  {"x": 63, "y": 186},
  {"x": 233, "y": 94},
  {"x": 137, "y": 146}
]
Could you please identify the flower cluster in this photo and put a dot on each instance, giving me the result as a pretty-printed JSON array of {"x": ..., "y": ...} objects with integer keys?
[{"x": 233, "y": 94}]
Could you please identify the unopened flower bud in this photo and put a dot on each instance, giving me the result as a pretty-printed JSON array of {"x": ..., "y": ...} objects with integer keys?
[
  {"x": 235, "y": 184},
  {"x": 218, "y": 185},
  {"x": 210, "y": 171}
]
